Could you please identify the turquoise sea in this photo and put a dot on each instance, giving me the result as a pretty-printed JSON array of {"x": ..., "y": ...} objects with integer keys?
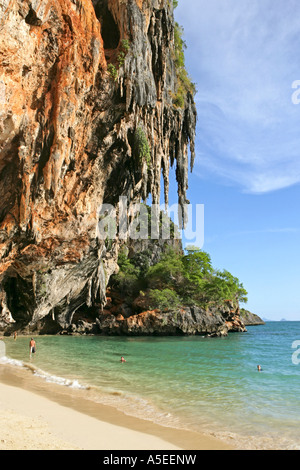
[{"x": 210, "y": 385}]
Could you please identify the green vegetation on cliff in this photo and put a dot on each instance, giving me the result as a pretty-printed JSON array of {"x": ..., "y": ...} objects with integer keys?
[
  {"x": 141, "y": 148},
  {"x": 184, "y": 82}
]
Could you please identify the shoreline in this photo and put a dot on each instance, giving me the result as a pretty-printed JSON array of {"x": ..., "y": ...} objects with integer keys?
[{"x": 44, "y": 416}]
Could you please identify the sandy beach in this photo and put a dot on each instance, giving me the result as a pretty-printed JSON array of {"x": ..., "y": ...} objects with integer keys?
[
  {"x": 29, "y": 421},
  {"x": 39, "y": 416}
]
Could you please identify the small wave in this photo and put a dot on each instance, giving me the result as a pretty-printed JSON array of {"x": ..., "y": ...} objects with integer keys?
[
  {"x": 50, "y": 378},
  {"x": 71, "y": 383},
  {"x": 12, "y": 362},
  {"x": 133, "y": 405}
]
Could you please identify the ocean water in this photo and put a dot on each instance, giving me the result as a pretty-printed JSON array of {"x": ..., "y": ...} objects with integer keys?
[{"x": 210, "y": 385}]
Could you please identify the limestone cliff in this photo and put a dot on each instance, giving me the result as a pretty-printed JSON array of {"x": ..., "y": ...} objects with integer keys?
[{"x": 78, "y": 79}]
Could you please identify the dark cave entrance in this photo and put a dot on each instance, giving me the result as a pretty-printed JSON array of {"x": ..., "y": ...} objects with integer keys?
[
  {"x": 20, "y": 295},
  {"x": 109, "y": 29}
]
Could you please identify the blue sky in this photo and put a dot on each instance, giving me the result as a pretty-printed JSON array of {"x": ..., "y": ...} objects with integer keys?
[{"x": 244, "y": 56}]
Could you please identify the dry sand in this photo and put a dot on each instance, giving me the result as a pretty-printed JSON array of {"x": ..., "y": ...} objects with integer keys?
[
  {"x": 29, "y": 421},
  {"x": 37, "y": 416}
]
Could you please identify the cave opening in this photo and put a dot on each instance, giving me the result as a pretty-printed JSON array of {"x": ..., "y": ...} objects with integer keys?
[
  {"x": 32, "y": 18},
  {"x": 19, "y": 294},
  {"x": 109, "y": 29}
]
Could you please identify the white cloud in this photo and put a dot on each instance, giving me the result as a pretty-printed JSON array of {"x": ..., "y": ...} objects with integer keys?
[{"x": 244, "y": 56}]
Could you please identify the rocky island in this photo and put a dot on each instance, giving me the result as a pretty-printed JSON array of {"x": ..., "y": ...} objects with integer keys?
[{"x": 250, "y": 318}]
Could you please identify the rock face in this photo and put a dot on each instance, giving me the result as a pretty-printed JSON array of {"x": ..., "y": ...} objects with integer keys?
[
  {"x": 184, "y": 321},
  {"x": 250, "y": 318},
  {"x": 118, "y": 319},
  {"x": 78, "y": 78}
]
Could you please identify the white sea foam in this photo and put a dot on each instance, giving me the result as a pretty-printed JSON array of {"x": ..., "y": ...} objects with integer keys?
[
  {"x": 12, "y": 362},
  {"x": 50, "y": 378},
  {"x": 72, "y": 383}
]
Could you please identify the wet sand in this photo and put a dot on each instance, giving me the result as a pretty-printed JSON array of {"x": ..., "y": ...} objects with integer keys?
[{"x": 36, "y": 415}]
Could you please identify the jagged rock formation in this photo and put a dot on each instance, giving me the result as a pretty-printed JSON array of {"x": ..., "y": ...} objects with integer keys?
[
  {"x": 120, "y": 319},
  {"x": 215, "y": 321},
  {"x": 250, "y": 318},
  {"x": 67, "y": 138}
]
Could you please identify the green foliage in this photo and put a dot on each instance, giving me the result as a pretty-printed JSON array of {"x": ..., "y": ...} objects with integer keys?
[
  {"x": 164, "y": 299},
  {"x": 125, "y": 44},
  {"x": 184, "y": 83},
  {"x": 124, "y": 49},
  {"x": 179, "y": 98},
  {"x": 231, "y": 286},
  {"x": 111, "y": 69},
  {"x": 141, "y": 262},
  {"x": 121, "y": 58},
  {"x": 169, "y": 271},
  {"x": 141, "y": 146},
  {"x": 197, "y": 265},
  {"x": 178, "y": 279},
  {"x": 180, "y": 45},
  {"x": 128, "y": 279},
  {"x": 175, "y": 4}
]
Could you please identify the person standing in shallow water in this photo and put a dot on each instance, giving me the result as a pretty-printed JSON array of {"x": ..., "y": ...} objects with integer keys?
[
  {"x": 122, "y": 359},
  {"x": 32, "y": 347}
]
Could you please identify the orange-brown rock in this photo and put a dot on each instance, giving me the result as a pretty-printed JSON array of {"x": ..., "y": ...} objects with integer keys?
[{"x": 67, "y": 131}]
